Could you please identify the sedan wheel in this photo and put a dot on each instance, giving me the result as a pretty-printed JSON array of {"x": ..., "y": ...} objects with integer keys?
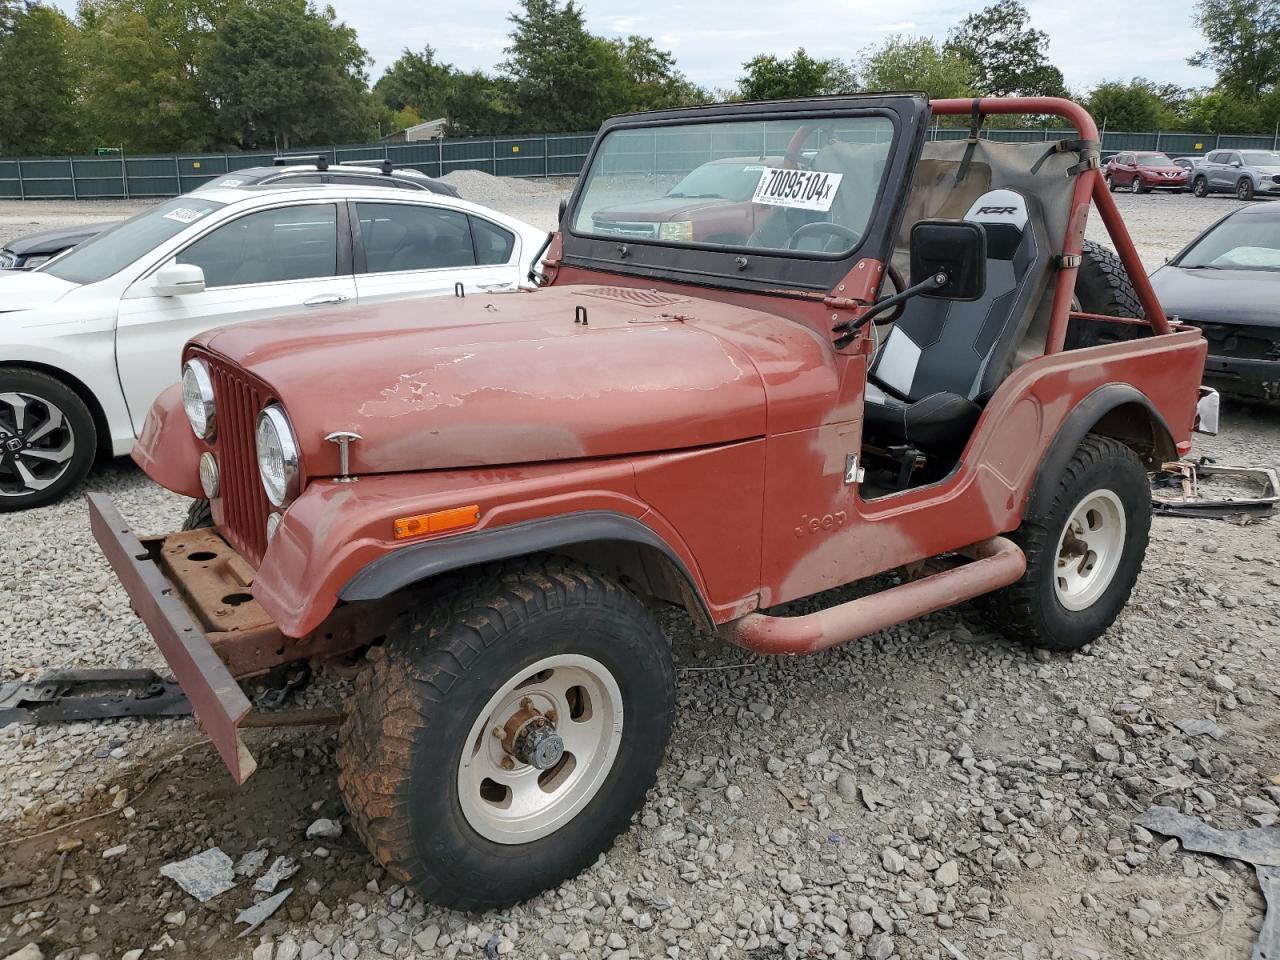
[
  {"x": 47, "y": 439},
  {"x": 1136, "y": 185}
]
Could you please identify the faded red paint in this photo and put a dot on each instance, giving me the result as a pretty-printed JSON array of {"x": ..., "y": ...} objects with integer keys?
[{"x": 723, "y": 420}]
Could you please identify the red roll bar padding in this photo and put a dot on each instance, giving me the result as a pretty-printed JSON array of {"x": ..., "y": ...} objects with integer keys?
[{"x": 1089, "y": 186}]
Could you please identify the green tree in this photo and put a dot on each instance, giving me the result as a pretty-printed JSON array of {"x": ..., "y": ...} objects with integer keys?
[
  {"x": 1128, "y": 106},
  {"x": 481, "y": 106},
  {"x": 1242, "y": 40},
  {"x": 1008, "y": 56},
  {"x": 287, "y": 73},
  {"x": 916, "y": 63},
  {"x": 561, "y": 76},
  {"x": 1216, "y": 111},
  {"x": 419, "y": 81},
  {"x": 38, "y": 104},
  {"x": 800, "y": 75},
  {"x": 142, "y": 86},
  {"x": 654, "y": 82}
]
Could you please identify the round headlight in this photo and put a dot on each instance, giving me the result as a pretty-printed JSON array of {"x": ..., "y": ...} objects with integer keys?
[
  {"x": 197, "y": 398},
  {"x": 277, "y": 456},
  {"x": 209, "y": 480}
]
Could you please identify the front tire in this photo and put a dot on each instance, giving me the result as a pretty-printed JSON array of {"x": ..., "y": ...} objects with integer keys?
[
  {"x": 47, "y": 439},
  {"x": 1200, "y": 187},
  {"x": 1244, "y": 189},
  {"x": 199, "y": 515},
  {"x": 503, "y": 736},
  {"x": 1084, "y": 550},
  {"x": 1136, "y": 185}
]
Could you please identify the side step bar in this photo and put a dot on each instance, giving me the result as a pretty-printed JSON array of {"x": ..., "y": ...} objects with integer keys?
[{"x": 994, "y": 563}]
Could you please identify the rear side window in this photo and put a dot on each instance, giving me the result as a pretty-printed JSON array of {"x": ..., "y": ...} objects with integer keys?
[
  {"x": 270, "y": 246},
  {"x": 493, "y": 243},
  {"x": 1215, "y": 157},
  {"x": 403, "y": 236}
]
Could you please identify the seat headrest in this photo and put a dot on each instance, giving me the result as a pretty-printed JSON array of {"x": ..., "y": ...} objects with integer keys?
[{"x": 1003, "y": 213}]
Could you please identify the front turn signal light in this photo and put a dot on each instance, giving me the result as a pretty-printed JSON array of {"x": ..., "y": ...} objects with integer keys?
[{"x": 453, "y": 519}]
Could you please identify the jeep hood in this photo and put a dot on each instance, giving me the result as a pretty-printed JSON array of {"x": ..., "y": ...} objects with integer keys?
[
  {"x": 509, "y": 378},
  {"x": 24, "y": 290}
]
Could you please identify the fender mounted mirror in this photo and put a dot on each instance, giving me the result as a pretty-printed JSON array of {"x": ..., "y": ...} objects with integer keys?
[
  {"x": 176, "y": 279},
  {"x": 956, "y": 249}
]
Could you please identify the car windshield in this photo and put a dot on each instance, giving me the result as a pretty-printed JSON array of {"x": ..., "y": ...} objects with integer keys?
[
  {"x": 723, "y": 180},
  {"x": 117, "y": 247},
  {"x": 1154, "y": 160},
  {"x": 1237, "y": 243},
  {"x": 1261, "y": 158},
  {"x": 812, "y": 192}
]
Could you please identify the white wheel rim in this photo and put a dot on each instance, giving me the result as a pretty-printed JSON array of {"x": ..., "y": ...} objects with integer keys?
[
  {"x": 1089, "y": 550},
  {"x": 508, "y": 800}
]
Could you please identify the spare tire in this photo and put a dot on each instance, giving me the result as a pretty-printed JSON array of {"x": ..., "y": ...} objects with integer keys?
[{"x": 1103, "y": 287}]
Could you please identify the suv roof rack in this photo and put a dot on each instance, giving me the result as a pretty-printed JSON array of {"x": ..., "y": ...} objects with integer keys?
[
  {"x": 321, "y": 160},
  {"x": 385, "y": 166}
]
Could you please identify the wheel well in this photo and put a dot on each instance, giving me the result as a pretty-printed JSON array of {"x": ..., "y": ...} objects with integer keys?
[
  {"x": 1139, "y": 429},
  {"x": 644, "y": 569},
  {"x": 79, "y": 388}
]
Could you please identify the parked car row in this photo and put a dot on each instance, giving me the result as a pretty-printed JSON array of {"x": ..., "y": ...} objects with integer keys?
[
  {"x": 1245, "y": 173},
  {"x": 90, "y": 338}
]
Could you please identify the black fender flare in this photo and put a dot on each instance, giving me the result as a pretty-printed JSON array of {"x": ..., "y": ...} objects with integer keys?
[
  {"x": 419, "y": 562},
  {"x": 1108, "y": 410}
]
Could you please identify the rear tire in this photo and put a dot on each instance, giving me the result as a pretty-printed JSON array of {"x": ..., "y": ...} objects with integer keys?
[
  {"x": 471, "y": 819},
  {"x": 1200, "y": 187},
  {"x": 48, "y": 440},
  {"x": 1084, "y": 550}
]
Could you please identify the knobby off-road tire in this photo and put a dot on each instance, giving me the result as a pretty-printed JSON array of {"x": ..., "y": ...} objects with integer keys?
[
  {"x": 422, "y": 730},
  {"x": 199, "y": 515},
  {"x": 1103, "y": 285},
  {"x": 1084, "y": 550},
  {"x": 47, "y": 439}
]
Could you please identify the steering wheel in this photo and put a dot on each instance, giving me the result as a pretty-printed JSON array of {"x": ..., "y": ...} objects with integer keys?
[
  {"x": 795, "y": 146},
  {"x": 834, "y": 231}
]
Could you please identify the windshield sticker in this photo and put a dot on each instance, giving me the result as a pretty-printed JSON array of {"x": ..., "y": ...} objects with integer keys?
[
  {"x": 184, "y": 215},
  {"x": 230, "y": 183},
  {"x": 801, "y": 189}
]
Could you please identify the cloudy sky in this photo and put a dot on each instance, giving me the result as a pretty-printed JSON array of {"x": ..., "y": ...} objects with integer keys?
[{"x": 1090, "y": 40}]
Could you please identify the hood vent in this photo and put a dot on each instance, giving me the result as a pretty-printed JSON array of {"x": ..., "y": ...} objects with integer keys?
[{"x": 636, "y": 296}]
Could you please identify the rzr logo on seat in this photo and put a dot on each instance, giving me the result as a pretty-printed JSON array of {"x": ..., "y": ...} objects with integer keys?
[{"x": 997, "y": 209}]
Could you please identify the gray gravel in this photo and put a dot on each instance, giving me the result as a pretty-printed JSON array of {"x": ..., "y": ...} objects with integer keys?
[{"x": 931, "y": 792}]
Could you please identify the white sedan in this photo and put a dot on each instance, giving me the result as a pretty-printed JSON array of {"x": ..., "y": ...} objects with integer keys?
[{"x": 90, "y": 339}]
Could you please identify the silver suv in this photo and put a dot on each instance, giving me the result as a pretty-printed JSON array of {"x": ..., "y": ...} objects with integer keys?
[{"x": 1246, "y": 173}]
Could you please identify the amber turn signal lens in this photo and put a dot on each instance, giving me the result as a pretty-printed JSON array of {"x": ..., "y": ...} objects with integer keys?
[{"x": 437, "y": 522}]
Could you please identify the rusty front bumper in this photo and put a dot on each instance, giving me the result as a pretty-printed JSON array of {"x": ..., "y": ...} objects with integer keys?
[{"x": 216, "y": 698}]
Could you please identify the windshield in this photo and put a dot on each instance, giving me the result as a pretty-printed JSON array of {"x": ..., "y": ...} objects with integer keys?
[
  {"x": 1154, "y": 160},
  {"x": 1238, "y": 243},
  {"x": 1261, "y": 158},
  {"x": 115, "y": 248},
  {"x": 802, "y": 186}
]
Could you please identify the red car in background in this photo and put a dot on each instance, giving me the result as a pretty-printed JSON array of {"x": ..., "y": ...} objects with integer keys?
[{"x": 1143, "y": 171}]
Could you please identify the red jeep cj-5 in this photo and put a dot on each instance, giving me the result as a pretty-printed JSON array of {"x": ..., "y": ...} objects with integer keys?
[{"x": 475, "y": 503}]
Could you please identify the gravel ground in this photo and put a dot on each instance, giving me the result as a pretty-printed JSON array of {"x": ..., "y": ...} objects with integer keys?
[{"x": 931, "y": 792}]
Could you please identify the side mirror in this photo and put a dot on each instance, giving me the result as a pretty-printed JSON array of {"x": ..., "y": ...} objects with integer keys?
[
  {"x": 176, "y": 279},
  {"x": 955, "y": 248},
  {"x": 564, "y": 207},
  {"x": 1236, "y": 163}
]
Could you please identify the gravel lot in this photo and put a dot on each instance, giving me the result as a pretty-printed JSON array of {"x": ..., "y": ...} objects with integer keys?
[{"x": 931, "y": 792}]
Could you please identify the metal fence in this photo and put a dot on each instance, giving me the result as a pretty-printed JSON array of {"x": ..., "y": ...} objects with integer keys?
[
  {"x": 123, "y": 177},
  {"x": 551, "y": 155}
]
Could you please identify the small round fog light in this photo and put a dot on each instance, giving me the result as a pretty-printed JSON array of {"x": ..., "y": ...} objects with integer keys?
[
  {"x": 208, "y": 475},
  {"x": 273, "y": 522}
]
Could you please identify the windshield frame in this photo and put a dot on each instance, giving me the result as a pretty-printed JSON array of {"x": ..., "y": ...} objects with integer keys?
[{"x": 735, "y": 267}]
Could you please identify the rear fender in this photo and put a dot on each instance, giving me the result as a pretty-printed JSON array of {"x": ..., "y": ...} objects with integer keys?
[{"x": 1117, "y": 410}]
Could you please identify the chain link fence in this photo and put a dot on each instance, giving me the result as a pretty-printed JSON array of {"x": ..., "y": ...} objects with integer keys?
[{"x": 120, "y": 176}]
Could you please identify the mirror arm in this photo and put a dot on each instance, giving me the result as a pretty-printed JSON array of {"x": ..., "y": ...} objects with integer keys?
[{"x": 849, "y": 328}]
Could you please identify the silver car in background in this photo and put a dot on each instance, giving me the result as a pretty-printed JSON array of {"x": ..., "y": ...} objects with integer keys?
[{"x": 1246, "y": 173}]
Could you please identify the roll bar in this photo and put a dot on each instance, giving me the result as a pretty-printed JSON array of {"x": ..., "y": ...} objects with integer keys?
[{"x": 1089, "y": 186}]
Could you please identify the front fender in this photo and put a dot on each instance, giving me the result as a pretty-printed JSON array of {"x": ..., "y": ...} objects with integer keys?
[
  {"x": 336, "y": 541},
  {"x": 168, "y": 450}
]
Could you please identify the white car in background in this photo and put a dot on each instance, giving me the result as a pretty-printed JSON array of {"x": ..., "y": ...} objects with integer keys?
[{"x": 90, "y": 339}]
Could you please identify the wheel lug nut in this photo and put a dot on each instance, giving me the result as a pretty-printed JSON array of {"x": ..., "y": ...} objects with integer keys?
[
  {"x": 507, "y": 763},
  {"x": 551, "y": 715},
  {"x": 499, "y": 732}
]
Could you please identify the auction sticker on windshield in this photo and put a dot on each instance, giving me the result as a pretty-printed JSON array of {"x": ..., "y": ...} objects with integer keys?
[
  {"x": 801, "y": 189},
  {"x": 185, "y": 215}
]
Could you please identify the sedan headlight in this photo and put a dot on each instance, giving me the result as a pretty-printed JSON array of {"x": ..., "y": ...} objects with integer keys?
[
  {"x": 197, "y": 398},
  {"x": 277, "y": 455}
]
